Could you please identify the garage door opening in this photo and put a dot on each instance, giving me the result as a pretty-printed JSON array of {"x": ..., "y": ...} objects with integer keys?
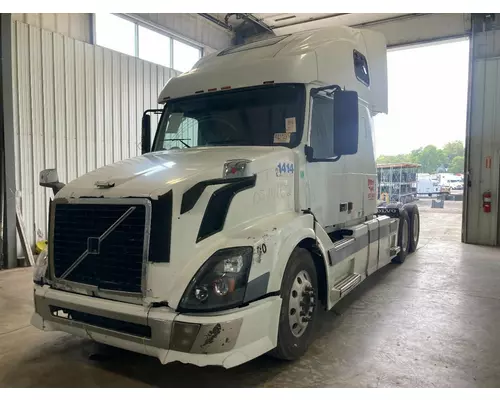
[{"x": 420, "y": 143}]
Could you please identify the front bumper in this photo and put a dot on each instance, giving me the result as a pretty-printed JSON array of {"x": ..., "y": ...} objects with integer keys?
[{"x": 228, "y": 338}]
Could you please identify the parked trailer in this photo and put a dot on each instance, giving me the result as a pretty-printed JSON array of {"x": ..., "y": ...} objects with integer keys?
[{"x": 225, "y": 249}]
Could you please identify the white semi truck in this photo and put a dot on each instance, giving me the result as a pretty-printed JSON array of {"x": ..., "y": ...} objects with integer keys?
[{"x": 254, "y": 206}]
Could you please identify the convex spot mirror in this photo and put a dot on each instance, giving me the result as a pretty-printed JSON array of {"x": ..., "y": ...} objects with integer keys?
[{"x": 50, "y": 179}]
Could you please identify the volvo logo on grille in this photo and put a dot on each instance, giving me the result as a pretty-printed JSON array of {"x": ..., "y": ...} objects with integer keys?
[{"x": 93, "y": 245}]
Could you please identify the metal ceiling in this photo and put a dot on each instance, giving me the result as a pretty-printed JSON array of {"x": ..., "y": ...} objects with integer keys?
[
  {"x": 289, "y": 23},
  {"x": 399, "y": 29}
]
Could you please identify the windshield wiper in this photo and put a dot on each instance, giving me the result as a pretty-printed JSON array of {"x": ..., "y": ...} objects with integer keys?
[{"x": 180, "y": 140}]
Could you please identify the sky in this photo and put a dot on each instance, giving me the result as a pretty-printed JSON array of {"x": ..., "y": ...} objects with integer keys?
[{"x": 427, "y": 98}]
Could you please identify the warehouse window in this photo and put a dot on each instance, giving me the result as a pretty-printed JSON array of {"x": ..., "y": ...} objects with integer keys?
[
  {"x": 185, "y": 56},
  {"x": 361, "y": 68},
  {"x": 154, "y": 47},
  {"x": 128, "y": 37},
  {"x": 115, "y": 33}
]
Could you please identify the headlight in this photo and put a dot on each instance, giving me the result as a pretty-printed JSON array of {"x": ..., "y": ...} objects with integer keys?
[
  {"x": 40, "y": 267},
  {"x": 221, "y": 281}
]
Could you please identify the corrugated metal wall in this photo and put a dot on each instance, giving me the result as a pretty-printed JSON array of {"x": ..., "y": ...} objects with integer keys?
[
  {"x": 76, "y": 26},
  {"x": 482, "y": 228},
  {"x": 77, "y": 107},
  {"x": 484, "y": 139}
]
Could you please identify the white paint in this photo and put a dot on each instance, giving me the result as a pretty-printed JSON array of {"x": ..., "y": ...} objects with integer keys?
[
  {"x": 318, "y": 56},
  {"x": 269, "y": 214},
  {"x": 349, "y": 173}
]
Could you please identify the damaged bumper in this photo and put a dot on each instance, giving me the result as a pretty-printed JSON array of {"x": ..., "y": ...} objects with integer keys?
[{"x": 227, "y": 338}]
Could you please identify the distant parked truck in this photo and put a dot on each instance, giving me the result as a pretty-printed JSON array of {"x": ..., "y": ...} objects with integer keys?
[
  {"x": 451, "y": 181},
  {"x": 426, "y": 185},
  {"x": 397, "y": 182}
]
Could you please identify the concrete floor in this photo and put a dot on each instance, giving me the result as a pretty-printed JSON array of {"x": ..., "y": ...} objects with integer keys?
[{"x": 431, "y": 322}]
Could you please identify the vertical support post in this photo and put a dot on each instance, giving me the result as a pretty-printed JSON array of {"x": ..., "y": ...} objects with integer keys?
[
  {"x": 136, "y": 40},
  {"x": 172, "y": 53},
  {"x": 467, "y": 168},
  {"x": 92, "y": 32},
  {"x": 8, "y": 176}
]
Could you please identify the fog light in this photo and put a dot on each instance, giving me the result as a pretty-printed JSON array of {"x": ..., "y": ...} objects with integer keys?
[{"x": 183, "y": 336}]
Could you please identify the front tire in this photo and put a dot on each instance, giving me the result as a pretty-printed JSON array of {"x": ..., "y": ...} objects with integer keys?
[{"x": 299, "y": 307}]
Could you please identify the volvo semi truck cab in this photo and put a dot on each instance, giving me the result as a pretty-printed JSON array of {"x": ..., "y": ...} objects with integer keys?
[{"x": 253, "y": 207}]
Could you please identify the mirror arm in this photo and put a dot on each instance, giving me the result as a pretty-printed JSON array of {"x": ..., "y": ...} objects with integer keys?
[
  {"x": 55, "y": 186},
  {"x": 308, "y": 151},
  {"x": 146, "y": 129}
]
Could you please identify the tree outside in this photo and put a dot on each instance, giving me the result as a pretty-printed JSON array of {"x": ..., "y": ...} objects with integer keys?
[
  {"x": 454, "y": 149},
  {"x": 457, "y": 165},
  {"x": 431, "y": 158}
]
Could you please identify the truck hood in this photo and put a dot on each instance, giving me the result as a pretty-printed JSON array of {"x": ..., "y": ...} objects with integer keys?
[{"x": 153, "y": 174}]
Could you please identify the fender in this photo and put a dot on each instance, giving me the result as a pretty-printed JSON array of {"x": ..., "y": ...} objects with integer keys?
[
  {"x": 288, "y": 231},
  {"x": 280, "y": 235},
  {"x": 291, "y": 235}
]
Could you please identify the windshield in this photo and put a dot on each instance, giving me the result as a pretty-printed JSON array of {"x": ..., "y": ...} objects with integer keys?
[{"x": 263, "y": 116}]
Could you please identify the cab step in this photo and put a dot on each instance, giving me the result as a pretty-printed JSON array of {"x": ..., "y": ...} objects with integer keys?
[
  {"x": 348, "y": 283},
  {"x": 344, "y": 286}
]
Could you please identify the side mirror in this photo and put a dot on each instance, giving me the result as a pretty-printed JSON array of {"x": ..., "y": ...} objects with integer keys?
[
  {"x": 345, "y": 123},
  {"x": 146, "y": 133},
  {"x": 49, "y": 178}
]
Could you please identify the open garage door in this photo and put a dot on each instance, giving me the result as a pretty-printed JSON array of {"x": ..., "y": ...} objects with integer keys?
[
  {"x": 420, "y": 142},
  {"x": 481, "y": 216}
]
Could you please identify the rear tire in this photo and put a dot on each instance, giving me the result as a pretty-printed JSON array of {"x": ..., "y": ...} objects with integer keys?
[
  {"x": 414, "y": 216},
  {"x": 299, "y": 291},
  {"x": 403, "y": 237}
]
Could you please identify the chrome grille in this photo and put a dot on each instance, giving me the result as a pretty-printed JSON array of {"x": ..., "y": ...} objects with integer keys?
[{"x": 100, "y": 244}]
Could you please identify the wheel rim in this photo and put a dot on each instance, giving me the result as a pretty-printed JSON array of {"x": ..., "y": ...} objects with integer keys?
[
  {"x": 416, "y": 227},
  {"x": 301, "y": 304},
  {"x": 404, "y": 239}
]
